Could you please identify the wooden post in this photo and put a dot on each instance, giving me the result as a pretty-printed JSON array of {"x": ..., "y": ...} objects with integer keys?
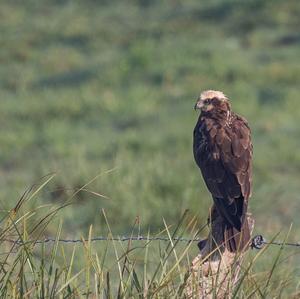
[{"x": 215, "y": 270}]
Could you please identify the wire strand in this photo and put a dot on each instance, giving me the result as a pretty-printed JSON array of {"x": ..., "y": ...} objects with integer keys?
[
  {"x": 258, "y": 241},
  {"x": 100, "y": 238}
]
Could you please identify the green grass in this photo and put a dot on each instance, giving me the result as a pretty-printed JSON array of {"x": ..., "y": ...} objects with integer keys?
[
  {"x": 107, "y": 88},
  {"x": 116, "y": 269}
]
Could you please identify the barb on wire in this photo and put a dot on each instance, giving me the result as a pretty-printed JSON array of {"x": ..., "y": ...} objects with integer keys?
[{"x": 259, "y": 241}]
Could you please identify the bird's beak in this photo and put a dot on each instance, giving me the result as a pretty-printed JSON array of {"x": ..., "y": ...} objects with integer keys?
[{"x": 199, "y": 104}]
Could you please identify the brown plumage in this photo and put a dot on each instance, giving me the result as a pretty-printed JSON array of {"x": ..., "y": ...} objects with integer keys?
[{"x": 223, "y": 151}]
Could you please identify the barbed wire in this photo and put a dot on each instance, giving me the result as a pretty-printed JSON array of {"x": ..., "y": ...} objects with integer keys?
[
  {"x": 257, "y": 242},
  {"x": 100, "y": 238}
]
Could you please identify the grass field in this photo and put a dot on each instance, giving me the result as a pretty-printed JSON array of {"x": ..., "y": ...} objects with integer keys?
[{"x": 102, "y": 92}]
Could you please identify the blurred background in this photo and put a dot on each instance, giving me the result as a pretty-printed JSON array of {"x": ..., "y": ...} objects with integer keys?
[{"x": 92, "y": 86}]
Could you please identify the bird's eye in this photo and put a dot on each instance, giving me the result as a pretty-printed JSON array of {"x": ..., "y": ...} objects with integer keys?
[{"x": 206, "y": 101}]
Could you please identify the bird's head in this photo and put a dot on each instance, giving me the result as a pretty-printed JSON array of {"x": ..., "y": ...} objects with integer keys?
[{"x": 212, "y": 101}]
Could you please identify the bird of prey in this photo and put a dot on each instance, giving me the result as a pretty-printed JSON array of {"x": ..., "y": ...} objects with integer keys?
[{"x": 223, "y": 151}]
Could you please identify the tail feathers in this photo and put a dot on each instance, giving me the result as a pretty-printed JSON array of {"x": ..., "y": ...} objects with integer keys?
[{"x": 236, "y": 240}]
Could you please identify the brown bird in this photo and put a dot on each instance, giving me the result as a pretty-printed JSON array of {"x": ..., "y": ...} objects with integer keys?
[{"x": 223, "y": 151}]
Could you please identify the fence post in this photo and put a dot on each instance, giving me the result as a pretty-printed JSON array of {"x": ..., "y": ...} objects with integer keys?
[{"x": 215, "y": 270}]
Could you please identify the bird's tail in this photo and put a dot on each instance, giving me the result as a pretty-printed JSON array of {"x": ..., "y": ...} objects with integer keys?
[{"x": 235, "y": 240}]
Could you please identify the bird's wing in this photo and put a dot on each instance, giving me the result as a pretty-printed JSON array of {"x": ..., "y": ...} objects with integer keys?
[
  {"x": 225, "y": 162},
  {"x": 235, "y": 147}
]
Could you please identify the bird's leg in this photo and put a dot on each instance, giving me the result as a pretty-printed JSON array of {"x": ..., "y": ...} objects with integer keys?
[
  {"x": 212, "y": 215},
  {"x": 202, "y": 244}
]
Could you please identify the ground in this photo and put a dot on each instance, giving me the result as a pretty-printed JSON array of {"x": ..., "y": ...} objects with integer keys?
[{"x": 89, "y": 87}]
